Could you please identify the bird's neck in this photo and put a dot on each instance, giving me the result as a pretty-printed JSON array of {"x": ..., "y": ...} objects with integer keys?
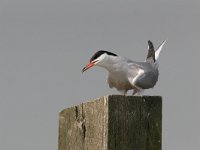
[{"x": 111, "y": 65}]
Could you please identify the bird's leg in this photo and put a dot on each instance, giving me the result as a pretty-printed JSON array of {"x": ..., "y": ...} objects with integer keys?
[
  {"x": 137, "y": 92},
  {"x": 124, "y": 92},
  {"x": 141, "y": 92},
  {"x": 134, "y": 92}
]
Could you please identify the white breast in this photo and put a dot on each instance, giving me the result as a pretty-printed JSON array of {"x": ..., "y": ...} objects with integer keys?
[{"x": 118, "y": 81}]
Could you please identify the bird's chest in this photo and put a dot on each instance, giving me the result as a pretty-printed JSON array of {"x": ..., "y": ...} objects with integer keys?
[{"x": 119, "y": 81}]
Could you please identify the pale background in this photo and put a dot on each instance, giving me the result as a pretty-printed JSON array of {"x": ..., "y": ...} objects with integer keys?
[{"x": 44, "y": 44}]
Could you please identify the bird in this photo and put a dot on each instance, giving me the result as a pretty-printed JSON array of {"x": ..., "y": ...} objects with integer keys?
[{"x": 125, "y": 74}]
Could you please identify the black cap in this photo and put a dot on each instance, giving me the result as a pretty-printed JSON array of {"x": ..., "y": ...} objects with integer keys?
[{"x": 99, "y": 53}]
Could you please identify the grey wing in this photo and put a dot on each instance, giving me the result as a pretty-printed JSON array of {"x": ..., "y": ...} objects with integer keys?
[
  {"x": 134, "y": 72},
  {"x": 142, "y": 75},
  {"x": 147, "y": 79}
]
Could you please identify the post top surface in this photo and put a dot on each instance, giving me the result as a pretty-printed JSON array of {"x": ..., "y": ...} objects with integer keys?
[{"x": 107, "y": 98}]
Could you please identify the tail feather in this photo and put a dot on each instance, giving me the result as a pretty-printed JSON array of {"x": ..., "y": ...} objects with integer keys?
[{"x": 157, "y": 53}]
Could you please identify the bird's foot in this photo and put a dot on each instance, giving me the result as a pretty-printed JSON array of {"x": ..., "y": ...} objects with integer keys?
[{"x": 137, "y": 92}]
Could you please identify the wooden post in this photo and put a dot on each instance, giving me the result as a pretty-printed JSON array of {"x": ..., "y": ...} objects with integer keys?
[{"x": 112, "y": 122}]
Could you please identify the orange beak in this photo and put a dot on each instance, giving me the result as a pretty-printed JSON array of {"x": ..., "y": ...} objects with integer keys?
[{"x": 89, "y": 65}]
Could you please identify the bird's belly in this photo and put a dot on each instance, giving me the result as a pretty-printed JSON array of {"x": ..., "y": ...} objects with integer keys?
[{"x": 119, "y": 82}]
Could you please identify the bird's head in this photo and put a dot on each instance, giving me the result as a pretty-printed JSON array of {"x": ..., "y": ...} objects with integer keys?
[{"x": 100, "y": 58}]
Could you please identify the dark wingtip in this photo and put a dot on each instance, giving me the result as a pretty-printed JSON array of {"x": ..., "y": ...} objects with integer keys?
[
  {"x": 149, "y": 41},
  {"x": 151, "y": 52},
  {"x": 150, "y": 44}
]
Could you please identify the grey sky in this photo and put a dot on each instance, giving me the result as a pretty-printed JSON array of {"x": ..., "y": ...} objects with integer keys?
[{"x": 44, "y": 44}]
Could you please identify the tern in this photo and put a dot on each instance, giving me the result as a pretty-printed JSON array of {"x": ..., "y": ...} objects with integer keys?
[{"x": 125, "y": 74}]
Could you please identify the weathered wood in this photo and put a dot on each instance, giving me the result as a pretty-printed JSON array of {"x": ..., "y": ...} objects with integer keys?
[{"x": 112, "y": 123}]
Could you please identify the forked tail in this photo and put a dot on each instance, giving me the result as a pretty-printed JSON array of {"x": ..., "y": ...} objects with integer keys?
[{"x": 153, "y": 54}]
